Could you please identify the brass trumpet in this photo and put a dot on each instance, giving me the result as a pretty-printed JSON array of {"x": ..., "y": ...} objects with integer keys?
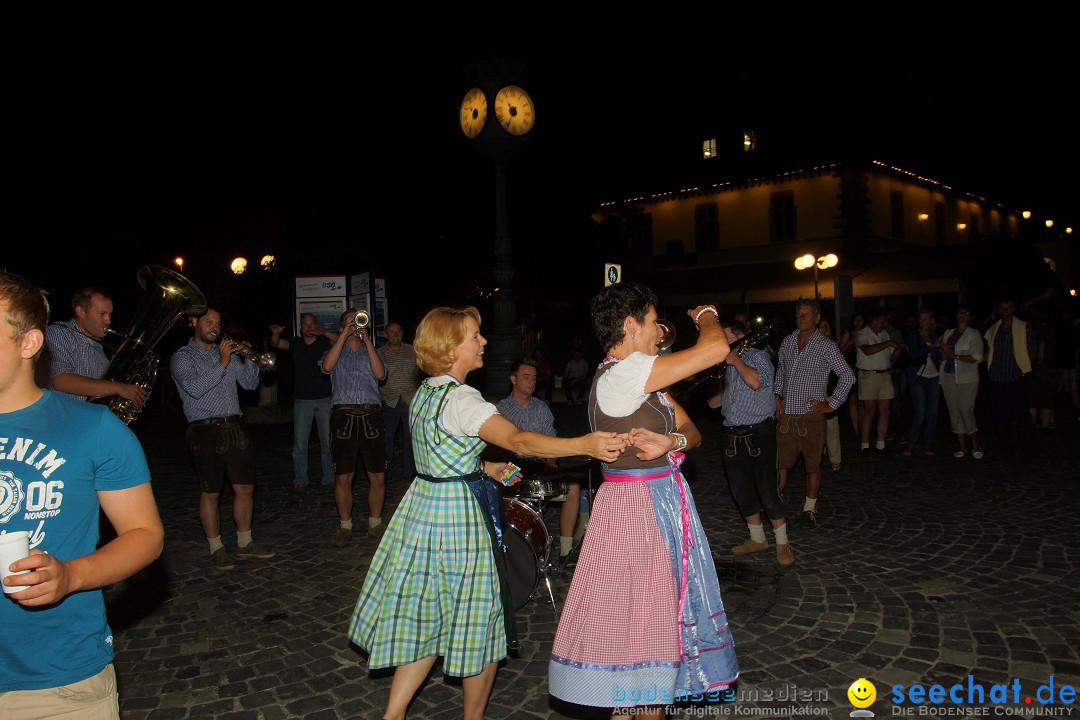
[
  {"x": 361, "y": 320},
  {"x": 667, "y": 334},
  {"x": 266, "y": 360}
]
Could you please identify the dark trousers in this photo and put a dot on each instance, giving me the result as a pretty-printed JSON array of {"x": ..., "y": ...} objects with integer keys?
[
  {"x": 1009, "y": 406},
  {"x": 750, "y": 467},
  {"x": 393, "y": 417},
  {"x": 576, "y": 389}
]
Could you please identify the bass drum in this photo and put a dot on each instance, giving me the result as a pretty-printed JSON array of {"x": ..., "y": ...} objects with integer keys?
[{"x": 527, "y": 543}]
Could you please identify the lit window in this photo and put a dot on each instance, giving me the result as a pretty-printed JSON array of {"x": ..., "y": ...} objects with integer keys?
[
  {"x": 749, "y": 140},
  {"x": 708, "y": 149}
]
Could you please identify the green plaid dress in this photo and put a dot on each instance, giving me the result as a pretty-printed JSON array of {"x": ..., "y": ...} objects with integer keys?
[{"x": 433, "y": 587}]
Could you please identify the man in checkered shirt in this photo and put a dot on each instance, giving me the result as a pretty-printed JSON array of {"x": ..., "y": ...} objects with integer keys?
[
  {"x": 532, "y": 414},
  {"x": 750, "y": 445},
  {"x": 806, "y": 358}
]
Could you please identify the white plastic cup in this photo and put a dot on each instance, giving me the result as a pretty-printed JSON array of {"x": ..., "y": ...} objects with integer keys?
[{"x": 13, "y": 546}]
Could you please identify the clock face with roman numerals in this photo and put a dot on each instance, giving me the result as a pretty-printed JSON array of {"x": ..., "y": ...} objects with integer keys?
[
  {"x": 514, "y": 110},
  {"x": 473, "y": 112}
]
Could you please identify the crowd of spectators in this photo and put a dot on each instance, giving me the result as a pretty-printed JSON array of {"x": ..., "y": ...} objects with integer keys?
[{"x": 949, "y": 352}]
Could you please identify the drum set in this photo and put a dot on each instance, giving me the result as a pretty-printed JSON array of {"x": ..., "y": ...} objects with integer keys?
[{"x": 525, "y": 534}]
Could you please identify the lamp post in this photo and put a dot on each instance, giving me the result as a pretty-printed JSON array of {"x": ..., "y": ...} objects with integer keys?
[{"x": 808, "y": 261}]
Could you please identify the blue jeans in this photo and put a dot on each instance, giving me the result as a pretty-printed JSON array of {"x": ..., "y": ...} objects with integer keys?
[
  {"x": 392, "y": 418},
  {"x": 304, "y": 411},
  {"x": 925, "y": 393}
]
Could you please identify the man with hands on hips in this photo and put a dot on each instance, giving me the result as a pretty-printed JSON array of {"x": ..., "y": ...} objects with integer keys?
[{"x": 804, "y": 362}]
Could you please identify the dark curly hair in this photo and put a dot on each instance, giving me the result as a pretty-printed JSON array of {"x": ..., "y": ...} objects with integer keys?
[{"x": 613, "y": 305}]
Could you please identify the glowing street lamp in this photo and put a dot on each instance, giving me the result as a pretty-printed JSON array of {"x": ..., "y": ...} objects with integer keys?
[
  {"x": 238, "y": 265},
  {"x": 823, "y": 262}
]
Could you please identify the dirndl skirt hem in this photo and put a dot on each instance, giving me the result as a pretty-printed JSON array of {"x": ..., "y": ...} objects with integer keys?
[
  {"x": 623, "y": 572},
  {"x": 432, "y": 588}
]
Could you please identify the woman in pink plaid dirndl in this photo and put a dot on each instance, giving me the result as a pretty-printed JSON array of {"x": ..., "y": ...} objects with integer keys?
[{"x": 644, "y": 623}]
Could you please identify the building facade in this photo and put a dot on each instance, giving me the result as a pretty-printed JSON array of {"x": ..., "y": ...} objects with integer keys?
[{"x": 900, "y": 240}]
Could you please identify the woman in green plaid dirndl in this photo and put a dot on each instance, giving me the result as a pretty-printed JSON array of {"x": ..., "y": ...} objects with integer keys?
[{"x": 434, "y": 587}]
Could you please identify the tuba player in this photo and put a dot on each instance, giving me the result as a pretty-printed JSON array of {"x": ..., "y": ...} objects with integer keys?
[{"x": 76, "y": 358}]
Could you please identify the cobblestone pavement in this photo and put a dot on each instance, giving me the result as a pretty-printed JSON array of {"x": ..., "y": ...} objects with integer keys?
[{"x": 921, "y": 570}]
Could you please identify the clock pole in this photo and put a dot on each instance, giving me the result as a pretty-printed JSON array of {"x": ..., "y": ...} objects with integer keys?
[
  {"x": 498, "y": 121},
  {"x": 505, "y": 341}
]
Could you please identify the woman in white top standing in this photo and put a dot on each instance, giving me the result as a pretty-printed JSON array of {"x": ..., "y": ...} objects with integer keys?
[{"x": 961, "y": 352}]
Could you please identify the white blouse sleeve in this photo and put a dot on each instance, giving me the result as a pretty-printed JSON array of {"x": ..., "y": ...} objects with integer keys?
[
  {"x": 974, "y": 344},
  {"x": 466, "y": 411},
  {"x": 621, "y": 390}
]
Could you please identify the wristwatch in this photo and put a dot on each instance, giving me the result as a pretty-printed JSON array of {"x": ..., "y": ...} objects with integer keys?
[{"x": 680, "y": 441}]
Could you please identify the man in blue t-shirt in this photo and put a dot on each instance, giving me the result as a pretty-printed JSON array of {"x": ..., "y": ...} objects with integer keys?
[{"x": 61, "y": 462}]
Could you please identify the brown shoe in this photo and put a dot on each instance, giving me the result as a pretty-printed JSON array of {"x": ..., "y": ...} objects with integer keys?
[
  {"x": 784, "y": 555},
  {"x": 377, "y": 531},
  {"x": 255, "y": 551},
  {"x": 221, "y": 560},
  {"x": 342, "y": 537},
  {"x": 750, "y": 546}
]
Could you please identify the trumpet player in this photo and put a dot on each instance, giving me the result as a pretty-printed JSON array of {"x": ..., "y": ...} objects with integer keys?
[
  {"x": 206, "y": 372},
  {"x": 77, "y": 360},
  {"x": 356, "y": 426},
  {"x": 750, "y": 445}
]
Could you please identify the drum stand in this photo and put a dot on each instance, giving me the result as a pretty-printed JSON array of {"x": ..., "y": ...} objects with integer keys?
[
  {"x": 549, "y": 569},
  {"x": 547, "y": 580},
  {"x": 575, "y": 549},
  {"x": 538, "y": 504}
]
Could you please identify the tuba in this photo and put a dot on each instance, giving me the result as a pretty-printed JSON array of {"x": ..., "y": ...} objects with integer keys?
[
  {"x": 751, "y": 340},
  {"x": 168, "y": 296},
  {"x": 739, "y": 347}
]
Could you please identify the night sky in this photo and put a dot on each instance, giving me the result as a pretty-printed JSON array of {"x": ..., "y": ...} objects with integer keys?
[{"x": 346, "y": 157}]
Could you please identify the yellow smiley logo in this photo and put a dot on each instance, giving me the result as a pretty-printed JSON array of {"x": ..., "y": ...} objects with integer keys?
[{"x": 862, "y": 693}]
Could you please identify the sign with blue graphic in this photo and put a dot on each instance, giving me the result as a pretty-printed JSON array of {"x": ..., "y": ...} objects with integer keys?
[{"x": 612, "y": 274}]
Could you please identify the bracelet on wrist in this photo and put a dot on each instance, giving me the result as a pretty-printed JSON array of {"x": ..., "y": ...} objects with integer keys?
[{"x": 702, "y": 311}]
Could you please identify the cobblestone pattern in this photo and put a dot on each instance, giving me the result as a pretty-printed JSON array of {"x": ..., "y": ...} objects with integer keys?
[{"x": 921, "y": 570}]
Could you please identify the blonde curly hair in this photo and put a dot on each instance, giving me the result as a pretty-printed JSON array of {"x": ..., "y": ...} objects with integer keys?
[{"x": 441, "y": 330}]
